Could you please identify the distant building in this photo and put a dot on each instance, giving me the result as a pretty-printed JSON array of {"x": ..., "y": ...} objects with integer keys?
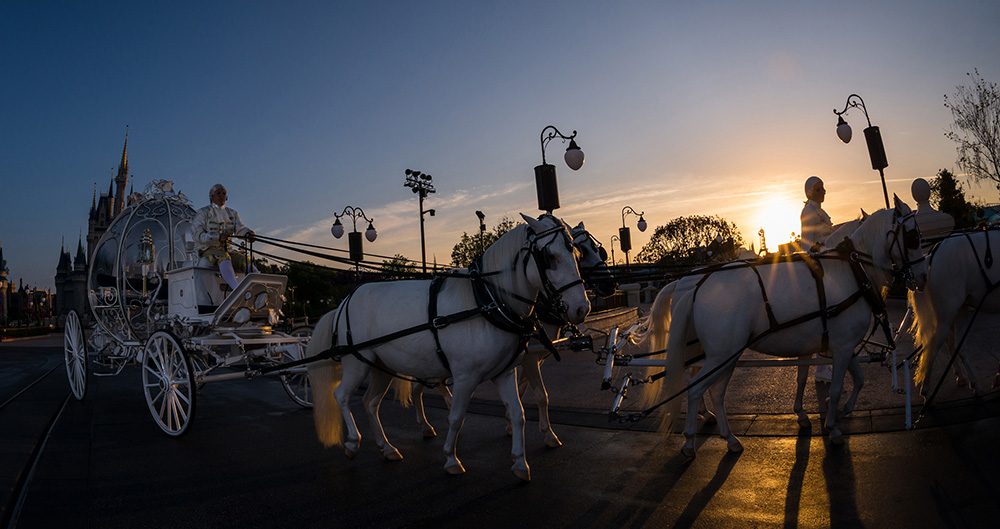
[
  {"x": 71, "y": 272},
  {"x": 4, "y": 290}
]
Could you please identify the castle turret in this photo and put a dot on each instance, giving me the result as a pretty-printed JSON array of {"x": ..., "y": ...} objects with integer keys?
[{"x": 121, "y": 179}]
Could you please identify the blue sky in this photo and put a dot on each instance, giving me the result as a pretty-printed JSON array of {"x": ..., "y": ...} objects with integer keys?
[{"x": 303, "y": 108}]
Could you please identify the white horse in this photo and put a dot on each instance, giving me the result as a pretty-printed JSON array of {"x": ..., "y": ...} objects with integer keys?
[
  {"x": 727, "y": 313},
  {"x": 959, "y": 277},
  {"x": 668, "y": 295},
  {"x": 525, "y": 261},
  {"x": 596, "y": 274}
]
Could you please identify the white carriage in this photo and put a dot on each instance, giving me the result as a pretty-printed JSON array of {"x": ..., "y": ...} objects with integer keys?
[{"x": 155, "y": 305}]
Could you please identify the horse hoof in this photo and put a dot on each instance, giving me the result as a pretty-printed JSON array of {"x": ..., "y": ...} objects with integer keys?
[
  {"x": 688, "y": 452},
  {"x": 351, "y": 454},
  {"x": 429, "y": 433},
  {"x": 553, "y": 442},
  {"x": 804, "y": 422},
  {"x": 522, "y": 474},
  {"x": 392, "y": 455},
  {"x": 455, "y": 470},
  {"x": 734, "y": 445},
  {"x": 836, "y": 437}
]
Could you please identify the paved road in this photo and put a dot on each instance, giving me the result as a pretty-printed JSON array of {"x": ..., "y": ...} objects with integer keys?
[{"x": 251, "y": 460}]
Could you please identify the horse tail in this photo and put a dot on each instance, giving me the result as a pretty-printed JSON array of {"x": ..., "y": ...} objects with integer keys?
[
  {"x": 923, "y": 329},
  {"x": 325, "y": 376},
  {"x": 673, "y": 380},
  {"x": 657, "y": 327},
  {"x": 403, "y": 391}
]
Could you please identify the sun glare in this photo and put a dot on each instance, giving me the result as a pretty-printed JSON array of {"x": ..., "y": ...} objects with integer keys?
[{"x": 779, "y": 219}]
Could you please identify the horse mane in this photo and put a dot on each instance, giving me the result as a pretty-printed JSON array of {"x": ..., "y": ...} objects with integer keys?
[
  {"x": 870, "y": 237},
  {"x": 497, "y": 258}
]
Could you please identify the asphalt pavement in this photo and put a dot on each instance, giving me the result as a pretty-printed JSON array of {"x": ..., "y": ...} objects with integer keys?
[{"x": 251, "y": 458}]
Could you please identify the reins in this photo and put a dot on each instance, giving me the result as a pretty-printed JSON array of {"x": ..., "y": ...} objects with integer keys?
[
  {"x": 844, "y": 251},
  {"x": 489, "y": 304}
]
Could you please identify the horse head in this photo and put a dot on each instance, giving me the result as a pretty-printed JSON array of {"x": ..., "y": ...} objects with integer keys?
[
  {"x": 904, "y": 246},
  {"x": 555, "y": 272},
  {"x": 592, "y": 262}
]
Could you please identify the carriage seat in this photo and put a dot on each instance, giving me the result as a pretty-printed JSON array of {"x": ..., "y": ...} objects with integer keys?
[{"x": 195, "y": 290}]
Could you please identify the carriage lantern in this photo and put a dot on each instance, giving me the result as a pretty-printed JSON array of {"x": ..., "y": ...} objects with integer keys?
[
  {"x": 546, "y": 184},
  {"x": 876, "y": 150},
  {"x": 145, "y": 257}
]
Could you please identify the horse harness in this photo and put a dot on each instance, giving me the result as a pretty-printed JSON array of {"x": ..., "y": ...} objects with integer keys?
[
  {"x": 844, "y": 251},
  {"x": 489, "y": 304}
]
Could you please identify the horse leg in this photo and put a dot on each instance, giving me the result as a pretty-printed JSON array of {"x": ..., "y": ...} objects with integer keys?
[
  {"x": 800, "y": 387},
  {"x": 445, "y": 393},
  {"x": 461, "y": 395},
  {"x": 840, "y": 364},
  {"x": 506, "y": 384},
  {"x": 531, "y": 370},
  {"x": 705, "y": 404},
  {"x": 417, "y": 396},
  {"x": 732, "y": 442},
  {"x": 858, "y": 378},
  {"x": 695, "y": 395},
  {"x": 377, "y": 387},
  {"x": 354, "y": 374},
  {"x": 969, "y": 375}
]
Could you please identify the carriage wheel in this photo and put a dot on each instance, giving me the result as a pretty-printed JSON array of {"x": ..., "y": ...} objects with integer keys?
[
  {"x": 297, "y": 384},
  {"x": 75, "y": 352},
  {"x": 168, "y": 383}
]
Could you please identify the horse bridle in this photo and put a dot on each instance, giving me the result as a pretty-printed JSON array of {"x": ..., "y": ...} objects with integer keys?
[
  {"x": 552, "y": 293},
  {"x": 583, "y": 237},
  {"x": 905, "y": 240}
]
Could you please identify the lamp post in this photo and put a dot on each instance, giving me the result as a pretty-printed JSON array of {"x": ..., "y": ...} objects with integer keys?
[
  {"x": 354, "y": 238},
  {"x": 421, "y": 184},
  {"x": 545, "y": 175},
  {"x": 625, "y": 235},
  {"x": 482, "y": 231},
  {"x": 876, "y": 151},
  {"x": 613, "y": 239}
]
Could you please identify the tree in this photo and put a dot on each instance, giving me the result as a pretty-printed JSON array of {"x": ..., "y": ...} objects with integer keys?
[
  {"x": 398, "y": 267},
  {"x": 472, "y": 245},
  {"x": 947, "y": 196},
  {"x": 976, "y": 130},
  {"x": 674, "y": 243}
]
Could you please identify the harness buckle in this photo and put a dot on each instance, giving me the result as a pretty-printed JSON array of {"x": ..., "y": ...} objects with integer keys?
[{"x": 439, "y": 323}]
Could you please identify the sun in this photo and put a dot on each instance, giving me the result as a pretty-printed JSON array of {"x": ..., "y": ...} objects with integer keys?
[{"x": 779, "y": 218}]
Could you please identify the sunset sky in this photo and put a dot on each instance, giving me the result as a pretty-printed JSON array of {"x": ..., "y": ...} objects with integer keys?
[{"x": 303, "y": 108}]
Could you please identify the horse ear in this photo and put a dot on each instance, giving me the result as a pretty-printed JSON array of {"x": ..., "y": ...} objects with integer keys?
[
  {"x": 896, "y": 202},
  {"x": 580, "y": 226},
  {"x": 534, "y": 224},
  {"x": 864, "y": 215}
]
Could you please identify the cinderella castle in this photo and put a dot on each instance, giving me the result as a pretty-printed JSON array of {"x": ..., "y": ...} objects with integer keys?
[{"x": 71, "y": 272}]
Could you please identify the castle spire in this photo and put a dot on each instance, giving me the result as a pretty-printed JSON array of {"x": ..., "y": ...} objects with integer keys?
[{"x": 121, "y": 179}]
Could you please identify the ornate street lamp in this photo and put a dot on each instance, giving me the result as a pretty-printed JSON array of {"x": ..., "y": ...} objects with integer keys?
[
  {"x": 354, "y": 237},
  {"x": 625, "y": 235},
  {"x": 545, "y": 175},
  {"x": 876, "y": 151},
  {"x": 482, "y": 231},
  {"x": 421, "y": 184},
  {"x": 613, "y": 239}
]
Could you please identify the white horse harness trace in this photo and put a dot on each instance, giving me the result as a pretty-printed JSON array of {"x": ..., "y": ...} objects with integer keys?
[
  {"x": 490, "y": 304},
  {"x": 844, "y": 251}
]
